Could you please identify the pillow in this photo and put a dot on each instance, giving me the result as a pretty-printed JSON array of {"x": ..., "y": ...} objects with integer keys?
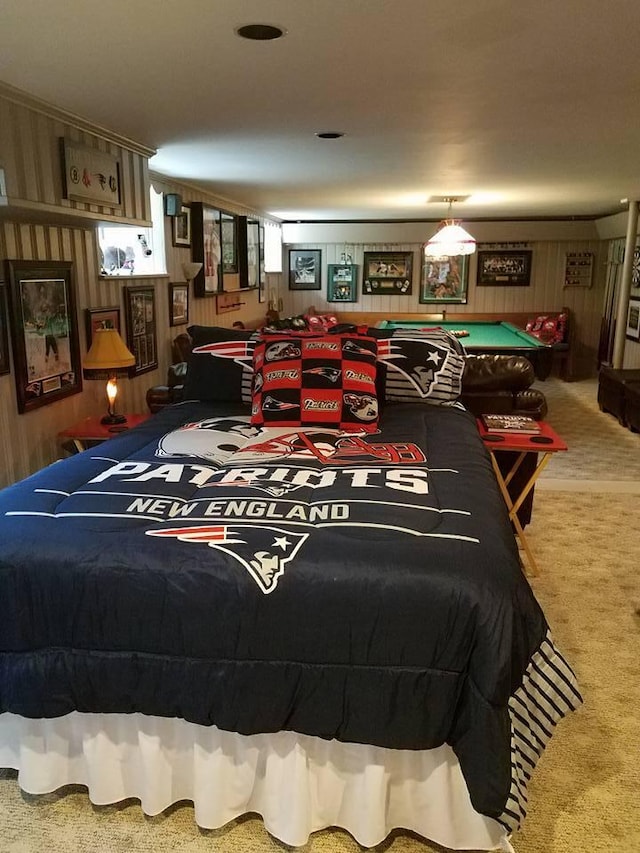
[
  {"x": 321, "y": 322},
  {"x": 550, "y": 329},
  {"x": 423, "y": 365},
  {"x": 220, "y": 364},
  {"x": 319, "y": 380}
]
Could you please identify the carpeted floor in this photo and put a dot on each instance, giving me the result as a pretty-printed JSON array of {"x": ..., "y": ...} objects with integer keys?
[{"x": 584, "y": 794}]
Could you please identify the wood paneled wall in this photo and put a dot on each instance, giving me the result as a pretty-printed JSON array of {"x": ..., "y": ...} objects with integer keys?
[
  {"x": 39, "y": 224},
  {"x": 545, "y": 293}
]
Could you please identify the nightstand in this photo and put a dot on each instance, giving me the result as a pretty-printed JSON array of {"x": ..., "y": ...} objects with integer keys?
[{"x": 89, "y": 432}]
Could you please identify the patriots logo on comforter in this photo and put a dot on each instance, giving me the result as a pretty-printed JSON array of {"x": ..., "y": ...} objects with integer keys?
[{"x": 262, "y": 551}]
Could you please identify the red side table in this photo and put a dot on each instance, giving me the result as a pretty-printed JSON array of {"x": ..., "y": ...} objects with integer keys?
[
  {"x": 90, "y": 431},
  {"x": 544, "y": 444}
]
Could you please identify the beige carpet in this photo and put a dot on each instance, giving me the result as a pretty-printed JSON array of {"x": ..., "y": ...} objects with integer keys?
[
  {"x": 601, "y": 452},
  {"x": 585, "y": 794}
]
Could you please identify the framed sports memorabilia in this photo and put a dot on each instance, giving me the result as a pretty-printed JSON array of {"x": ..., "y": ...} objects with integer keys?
[
  {"x": 44, "y": 326},
  {"x": 387, "y": 273},
  {"x": 342, "y": 283}
]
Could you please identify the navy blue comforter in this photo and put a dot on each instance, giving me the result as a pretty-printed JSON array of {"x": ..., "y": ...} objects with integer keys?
[{"x": 363, "y": 588}]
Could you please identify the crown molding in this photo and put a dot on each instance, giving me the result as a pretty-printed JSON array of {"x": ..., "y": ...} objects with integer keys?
[{"x": 24, "y": 99}]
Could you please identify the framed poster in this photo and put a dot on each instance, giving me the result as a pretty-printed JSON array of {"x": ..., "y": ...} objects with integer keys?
[
  {"x": 445, "y": 280},
  {"x": 178, "y": 303},
  {"x": 504, "y": 267},
  {"x": 633, "y": 320},
  {"x": 100, "y": 318},
  {"x": 304, "y": 269},
  {"x": 140, "y": 309},
  {"x": 44, "y": 327},
  {"x": 206, "y": 248},
  {"x": 387, "y": 273},
  {"x": 229, "y": 232},
  {"x": 342, "y": 283},
  {"x": 4, "y": 333},
  {"x": 181, "y": 227}
]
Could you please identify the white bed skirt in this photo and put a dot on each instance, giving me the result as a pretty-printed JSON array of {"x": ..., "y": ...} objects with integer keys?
[{"x": 298, "y": 784}]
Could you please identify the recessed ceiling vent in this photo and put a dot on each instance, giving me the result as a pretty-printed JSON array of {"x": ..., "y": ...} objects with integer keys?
[
  {"x": 260, "y": 32},
  {"x": 330, "y": 134}
]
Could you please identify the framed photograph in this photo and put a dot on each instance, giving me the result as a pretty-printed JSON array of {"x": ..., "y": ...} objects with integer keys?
[
  {"x": 140, "y": 310},
  {"x": 4, "y": 332},
  {"x": 304, "y": 269},
  {"x": 181, "y": 227},
  {"x": 206, "y": 248},
  {"x": 444, "y": 281},
  {"x": 100, "y": 318},
  {"x": 387, "y": 273},
  {"x": 342, "y": 283},
  {"x": 178, "y": 303},
  {"x": 44, "y": 329},
  {"x": 505, "y": 267},
  {"x": 633, "y": 320},
  {"x": 228, "y": 225}
]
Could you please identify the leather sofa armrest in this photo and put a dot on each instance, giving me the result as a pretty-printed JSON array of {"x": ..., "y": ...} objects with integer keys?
[{"x": 159, "y": 396}]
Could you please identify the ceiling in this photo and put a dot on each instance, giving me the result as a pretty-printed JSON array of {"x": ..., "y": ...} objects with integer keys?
[{"x": 532, "y": 109}]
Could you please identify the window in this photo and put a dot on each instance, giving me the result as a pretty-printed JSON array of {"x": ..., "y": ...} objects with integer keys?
[
  {"x": 272, "y": 247},
  {"x": 127, "y": 250}
]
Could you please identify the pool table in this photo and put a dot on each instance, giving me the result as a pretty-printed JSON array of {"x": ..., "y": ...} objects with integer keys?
[{"x": 498, "y": 337}]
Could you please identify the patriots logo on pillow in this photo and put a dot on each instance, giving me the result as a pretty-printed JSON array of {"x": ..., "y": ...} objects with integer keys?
[
  {"x": 418, "y": 361},
  {"x": 330, "y": 373},
  {"x": 239, "y": 351}
]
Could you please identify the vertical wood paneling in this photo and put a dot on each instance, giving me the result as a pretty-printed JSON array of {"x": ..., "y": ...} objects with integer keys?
[{"x": 545, "y": 293}]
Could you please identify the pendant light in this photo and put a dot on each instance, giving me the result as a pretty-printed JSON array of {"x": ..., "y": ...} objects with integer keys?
[{"x": 450, "y": 239}]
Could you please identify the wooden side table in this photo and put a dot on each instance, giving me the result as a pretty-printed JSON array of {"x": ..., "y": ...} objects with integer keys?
[
  {"x": 89, "y": 432},
  {"x": 546, "y": 443}
]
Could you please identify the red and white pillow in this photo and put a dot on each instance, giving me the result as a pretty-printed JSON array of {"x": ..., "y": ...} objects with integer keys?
[{"x": 315, "y": 380}]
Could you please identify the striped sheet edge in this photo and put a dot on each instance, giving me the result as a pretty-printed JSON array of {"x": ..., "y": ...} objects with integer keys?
[{"x": 548, "y": 692}]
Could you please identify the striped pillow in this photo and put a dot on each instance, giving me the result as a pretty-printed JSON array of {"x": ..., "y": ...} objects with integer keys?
[{"x": 424, "y": 365}]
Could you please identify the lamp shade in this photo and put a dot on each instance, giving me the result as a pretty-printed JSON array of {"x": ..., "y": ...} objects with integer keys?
[
  {"x": 449, "y": 241},
  {"x": 108, "y": 352},
  {"x": 190, "y": 269}
]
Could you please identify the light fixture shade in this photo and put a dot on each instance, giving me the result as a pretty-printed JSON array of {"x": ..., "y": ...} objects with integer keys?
[
  {"x": 108, "y": 352},
  {"x": 450, "y": 240},
  {"x": 190, "y": 269}
]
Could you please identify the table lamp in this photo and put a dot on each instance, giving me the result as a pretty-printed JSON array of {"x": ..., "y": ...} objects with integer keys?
[{"x": 108, "y": 355}]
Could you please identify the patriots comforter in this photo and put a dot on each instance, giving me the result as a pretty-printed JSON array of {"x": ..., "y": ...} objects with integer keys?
[{"x": 363, "y": 588}]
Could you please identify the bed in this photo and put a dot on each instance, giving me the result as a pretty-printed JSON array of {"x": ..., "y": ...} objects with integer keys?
[{"x": 327, "y": 625}]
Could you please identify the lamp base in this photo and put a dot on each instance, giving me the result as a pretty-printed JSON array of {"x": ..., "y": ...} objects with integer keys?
[{"x": 113, "y": 419}]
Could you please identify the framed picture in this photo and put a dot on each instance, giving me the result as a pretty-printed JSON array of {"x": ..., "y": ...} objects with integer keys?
[
  {"x": 46, "y": 352},
  {"x": 90, "y": 175},
  {"x": 445, "y": 280},
  {"x": 505, "y": 267},
  {"x": 342, "y": 283},
  {"x": 140, "y": 309},
  {"x": 181, "y": 227},
  {"x": 4, "y": 333},
  {"x": 206, "y": 248},
  {"x": 228, "y": 225},
  {"x": 633, "y": 320},
  {"x": 387, "y": 273},
  {"x": 178, "y": 303},
  {"x": 100, "y": 318},
  {"x": 304, "y": 269}
]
